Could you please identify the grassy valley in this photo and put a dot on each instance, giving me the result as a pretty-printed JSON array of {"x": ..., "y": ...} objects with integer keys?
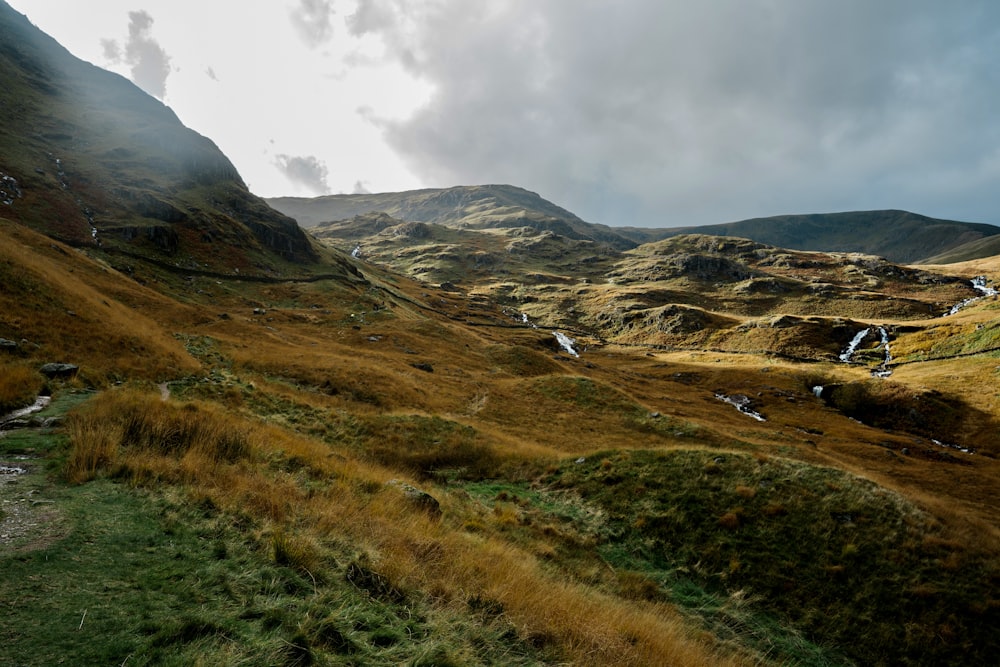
[{"x": 366, "y": 446}]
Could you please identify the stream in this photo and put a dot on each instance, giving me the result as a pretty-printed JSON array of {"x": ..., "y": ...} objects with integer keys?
[
  {"x": 741, "y": 403},
  {"x": 40, "y": 404},
  {"x": 978, "y": 284}
]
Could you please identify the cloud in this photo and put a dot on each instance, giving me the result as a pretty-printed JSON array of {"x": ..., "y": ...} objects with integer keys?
[
  {"x": 672, "y": 113},
  {"x": 360, "y": 188},
  {"x": 149, "y": 62},
  {"x": 313, "y": 21},
  {"x": 112, "y": 51},
  {"x": 307, "y": 171}
]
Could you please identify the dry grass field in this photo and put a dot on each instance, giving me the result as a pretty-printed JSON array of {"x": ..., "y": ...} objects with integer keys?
[{"x": 414, "y": 477}]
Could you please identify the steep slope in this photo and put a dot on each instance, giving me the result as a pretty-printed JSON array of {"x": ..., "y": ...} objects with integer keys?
[
  {"x": 899, "y": 236},
  {"x": 87, "y": 157},
  {"x": 474, "y": 207}
]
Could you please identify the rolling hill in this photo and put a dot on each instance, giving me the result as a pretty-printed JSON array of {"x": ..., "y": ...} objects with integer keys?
[
  {"x": 492, "y": 437},
  {"x": 899, "y": 236},
  {"x": 463, "y": 207}
]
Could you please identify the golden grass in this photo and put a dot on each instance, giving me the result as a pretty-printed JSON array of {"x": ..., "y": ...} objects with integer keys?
[
  {"x": 137, "y": 430},
  {"x": 138, "y": 436},
  {"x": 19, "y": 385},
  {"x": 498, "y": 382},
  {"x": 70, "y": 308}
]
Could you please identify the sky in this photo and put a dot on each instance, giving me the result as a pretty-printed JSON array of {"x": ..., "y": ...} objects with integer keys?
[{"x": 653, "y": 113}]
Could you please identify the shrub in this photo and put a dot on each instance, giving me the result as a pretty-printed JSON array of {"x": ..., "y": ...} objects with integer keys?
[
  {"x": 294, "y": 552},
  {"x": 428, "y": 445},
  {"x": 123, "y": 427}
]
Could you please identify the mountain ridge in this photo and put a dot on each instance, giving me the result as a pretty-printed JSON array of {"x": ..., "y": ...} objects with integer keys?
[{"x": 897, "y": 235}]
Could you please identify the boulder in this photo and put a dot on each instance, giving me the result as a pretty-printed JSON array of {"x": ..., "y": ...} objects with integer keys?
[
  {"x": 7, "y": 345},
  {"x": 59, "y": 370}
]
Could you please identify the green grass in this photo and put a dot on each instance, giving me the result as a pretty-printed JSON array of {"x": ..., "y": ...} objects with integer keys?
[
  {"x": 156, "y": 577},
  {"x": 798, "y": 564},
  {"x": 850, "y": 566}
]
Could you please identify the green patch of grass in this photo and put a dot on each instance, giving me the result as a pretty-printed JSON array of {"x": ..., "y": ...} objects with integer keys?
[
  {"x": 42, "y": 441},
  {"x": 151, "y": 579},
  {"x": 826, "y": 554},
  {"x": 583, "y": 392}
]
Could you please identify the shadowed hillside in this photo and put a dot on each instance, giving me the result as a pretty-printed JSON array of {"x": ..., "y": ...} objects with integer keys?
[
  {"x": 899, "y": 236},
  {"x": 87, "y": 157}
]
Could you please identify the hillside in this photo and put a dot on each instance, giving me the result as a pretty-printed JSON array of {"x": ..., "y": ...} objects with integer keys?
[
  {"x": 463, "y": 207},
  {"x": 899, "y": 236},
  {"x": 498, "y": 439},
  {"x": 87, "y": 157},
  {"x": 988, "y": 246}
]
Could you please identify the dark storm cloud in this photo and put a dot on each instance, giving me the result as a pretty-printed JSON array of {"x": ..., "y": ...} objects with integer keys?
[
  {"x": 307, "y": 171},
  {"x": 313, "y": 20},
  {"x": 149, "y": 63},
  {"x": 671, "y": 113}
]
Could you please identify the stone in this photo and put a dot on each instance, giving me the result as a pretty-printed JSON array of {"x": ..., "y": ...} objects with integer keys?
[
  {"x": 7, "y": 345},
  {"x": 416, "y": 497},
  {"x": 59, "y": 370}
]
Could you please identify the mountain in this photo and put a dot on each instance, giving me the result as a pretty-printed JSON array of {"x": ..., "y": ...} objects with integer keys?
[
  {"x": 88, "y": 158},
  {"x": 464, "y": 207},
  {"x": 899, "y": 236}
]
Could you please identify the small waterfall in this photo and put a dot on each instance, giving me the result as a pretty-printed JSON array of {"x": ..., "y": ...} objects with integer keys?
[
  {"x": 978, "y": 284},
  {"x": 566, "y": 343},
  {"x": 848, "y": 352},
  {"x": 883, "y": 370}
]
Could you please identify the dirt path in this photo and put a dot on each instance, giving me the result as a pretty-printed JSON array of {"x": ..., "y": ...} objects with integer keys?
[{"x": 29, "y": 519}]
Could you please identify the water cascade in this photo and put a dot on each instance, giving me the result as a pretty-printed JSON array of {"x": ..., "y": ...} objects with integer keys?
[
  {"x": 566, "y": 343},
  {"x": 883, "y": 371},
  {"x": 978, "y": 284},
  {"x": 848, "y": 352}
]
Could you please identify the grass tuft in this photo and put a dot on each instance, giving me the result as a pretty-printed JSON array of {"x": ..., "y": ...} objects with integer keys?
[
  {"x": 19, "y": 385},
  {"x": 132, "y": 429}
]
